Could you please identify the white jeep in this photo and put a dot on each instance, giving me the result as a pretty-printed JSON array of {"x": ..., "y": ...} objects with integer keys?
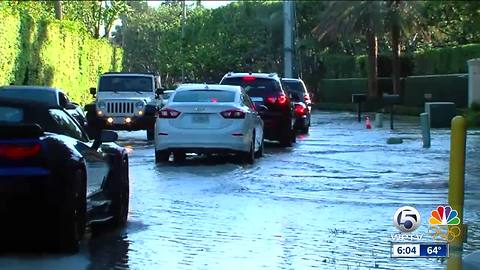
[{"x": 125, "y": 101}]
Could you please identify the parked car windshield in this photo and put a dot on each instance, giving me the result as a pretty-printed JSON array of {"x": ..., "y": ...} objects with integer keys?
[
  {"x": 204, "y": 96},
  {"x": 125, "y": 84},
  {"x": 255, "y": 87}
]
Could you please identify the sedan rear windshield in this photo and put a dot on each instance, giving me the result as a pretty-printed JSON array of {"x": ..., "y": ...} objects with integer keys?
[
  {"x": 11, "y": 114},
  {"x": 125, "y": 84},
  {"x": 34, "y": 95},
  {"x": 204, "y": 96},
  {"x": 255, "y": 87}
]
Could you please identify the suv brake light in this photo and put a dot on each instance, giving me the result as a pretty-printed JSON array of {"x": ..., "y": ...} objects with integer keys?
[
  {"x": 168, "y": 113},
  {"x": 233, "y": 114},
  {"x": 249, "y": 78},
  {"x": 282, "y": 99},
  {"x": 19, "y": 151},
  {"x": 300, "y": 109},
  {"x": 271, "y": 99}
]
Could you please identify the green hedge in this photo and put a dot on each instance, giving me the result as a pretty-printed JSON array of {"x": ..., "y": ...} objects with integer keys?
[
  {"x": 445, "y": 60},
  {"x": 54, "y": 53},
  {"x": 450, "y": 87}
]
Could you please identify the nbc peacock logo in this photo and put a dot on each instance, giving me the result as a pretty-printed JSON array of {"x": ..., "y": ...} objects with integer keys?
[
  {"x": 444, "y": 215},
  {"x": 442, "y": 224}
]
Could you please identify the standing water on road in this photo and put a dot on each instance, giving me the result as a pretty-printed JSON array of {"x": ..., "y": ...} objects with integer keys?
[{"x": 326, "y": 203}]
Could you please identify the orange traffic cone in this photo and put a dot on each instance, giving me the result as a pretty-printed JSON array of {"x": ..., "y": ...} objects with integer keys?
[{"x": 368, "y": 124}]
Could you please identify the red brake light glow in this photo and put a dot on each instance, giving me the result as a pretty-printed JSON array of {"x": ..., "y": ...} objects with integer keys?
[
  {"x": 213, "y": 100},
  {"x": 300, "y": 109},
  {"x": 233, "y": 114},
  {"x": 168, "y": 113},
  {"x": 271, "y": 99},
  {"x": 16, "y": 151},
  {"x": 282, "y": 99},
  {"x": 248, "y": 78}
]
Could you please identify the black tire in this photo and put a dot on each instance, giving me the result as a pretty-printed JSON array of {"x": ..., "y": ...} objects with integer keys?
[
  {"x": 287, "y": 137},
  {"x": 305, "y": 130},
  {"x": 249, "y": 157},
  {"x": 179, "y": 157},
  {"x": 162, "y": 156},
  {"x": 72, "y": 214},
  {"x": 150, "y": 134},
  {"x": 261, "y": 150}
]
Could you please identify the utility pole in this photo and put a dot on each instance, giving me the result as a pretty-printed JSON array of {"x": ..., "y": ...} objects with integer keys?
[
  {"x": 288, "y": 38},
  {"x": 184, "y": 15}
]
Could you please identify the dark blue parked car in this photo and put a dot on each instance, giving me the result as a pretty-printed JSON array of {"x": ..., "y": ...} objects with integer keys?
[{"x": 54, "y": 181}]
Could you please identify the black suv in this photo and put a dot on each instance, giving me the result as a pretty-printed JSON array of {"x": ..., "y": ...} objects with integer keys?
[
  {"x": 301, "y": 101},
  {"x": 273, "y": 104}
]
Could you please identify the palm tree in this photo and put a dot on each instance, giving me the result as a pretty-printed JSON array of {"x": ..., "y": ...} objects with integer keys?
[
  {"x": 350, "y": 18},
  {"x": 403, "y": 18}
]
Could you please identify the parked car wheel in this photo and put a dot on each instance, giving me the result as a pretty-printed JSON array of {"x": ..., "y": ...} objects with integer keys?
[
  {"x": 72, "y": 214},
  {"x": 287, "y": 137}
]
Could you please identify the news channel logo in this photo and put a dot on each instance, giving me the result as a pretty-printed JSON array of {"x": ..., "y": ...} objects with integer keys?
[
  {"x": 443, "y": 223},
  {"x": 406, "y": 219}
]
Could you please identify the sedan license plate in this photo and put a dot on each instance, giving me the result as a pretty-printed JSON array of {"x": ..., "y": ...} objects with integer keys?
[{"x": 200, "y": 119}]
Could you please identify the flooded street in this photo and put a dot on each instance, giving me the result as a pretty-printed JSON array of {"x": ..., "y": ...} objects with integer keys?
[{"x": 326, "y": 203}]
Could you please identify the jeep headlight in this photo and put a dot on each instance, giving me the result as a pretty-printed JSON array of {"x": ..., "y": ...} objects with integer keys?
[
  {"x": 101, "y": 105},
  {"x": 140, "y": 105}
]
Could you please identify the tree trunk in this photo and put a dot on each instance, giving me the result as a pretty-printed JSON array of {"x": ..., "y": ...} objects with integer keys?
[
  {"x": 396, "y": 55},
  {"x": 372, "y": 52},
  {"x": 58, "y": 10}
]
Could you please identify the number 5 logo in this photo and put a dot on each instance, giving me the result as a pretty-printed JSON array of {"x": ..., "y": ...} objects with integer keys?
[{"x": 406, "y": 219}]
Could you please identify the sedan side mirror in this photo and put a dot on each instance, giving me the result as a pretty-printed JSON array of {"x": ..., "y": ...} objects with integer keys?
[
  {"x": 106, "y": 136},
  {"x": 93, "y": 91}
]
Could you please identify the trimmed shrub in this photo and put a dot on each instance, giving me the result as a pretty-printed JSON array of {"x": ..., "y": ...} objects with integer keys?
[
  {"x": 54, "y": 53},
  {"x": 341, "y": 90},
  {"x": 449, "y": 88},
  {"x": 445, "y": 60}
]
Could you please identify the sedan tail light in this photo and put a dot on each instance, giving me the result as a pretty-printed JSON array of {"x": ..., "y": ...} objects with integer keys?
[
  {"x": 233, "y": 114},
  {"x": 168, "y": 113},
  {"x": 19, "y": 151}
]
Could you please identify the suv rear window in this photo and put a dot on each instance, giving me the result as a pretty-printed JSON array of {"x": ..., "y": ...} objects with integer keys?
[
  {"x": 255, "y": 87},
  {"x": 125, "y": 84},
  {"x": 204, "y": 96},
  {"x": 294, "y": 86}
]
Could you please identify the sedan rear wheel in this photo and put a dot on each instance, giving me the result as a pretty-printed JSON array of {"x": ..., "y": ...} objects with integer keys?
[
  {"x": 260, "y": 151},
  {"x": 249, "y": 157}
]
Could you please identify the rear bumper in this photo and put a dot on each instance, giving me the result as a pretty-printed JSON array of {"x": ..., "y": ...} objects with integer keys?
[
  {"x": 231, "y": 139},
  {"x": 275, "y": 125}
]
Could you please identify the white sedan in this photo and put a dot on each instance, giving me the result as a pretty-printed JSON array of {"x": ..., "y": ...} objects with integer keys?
[{"x": 202, "y": 118}]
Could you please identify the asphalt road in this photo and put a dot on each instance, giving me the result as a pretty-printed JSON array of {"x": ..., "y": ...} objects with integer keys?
[{"x": 326, "y": 203}]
